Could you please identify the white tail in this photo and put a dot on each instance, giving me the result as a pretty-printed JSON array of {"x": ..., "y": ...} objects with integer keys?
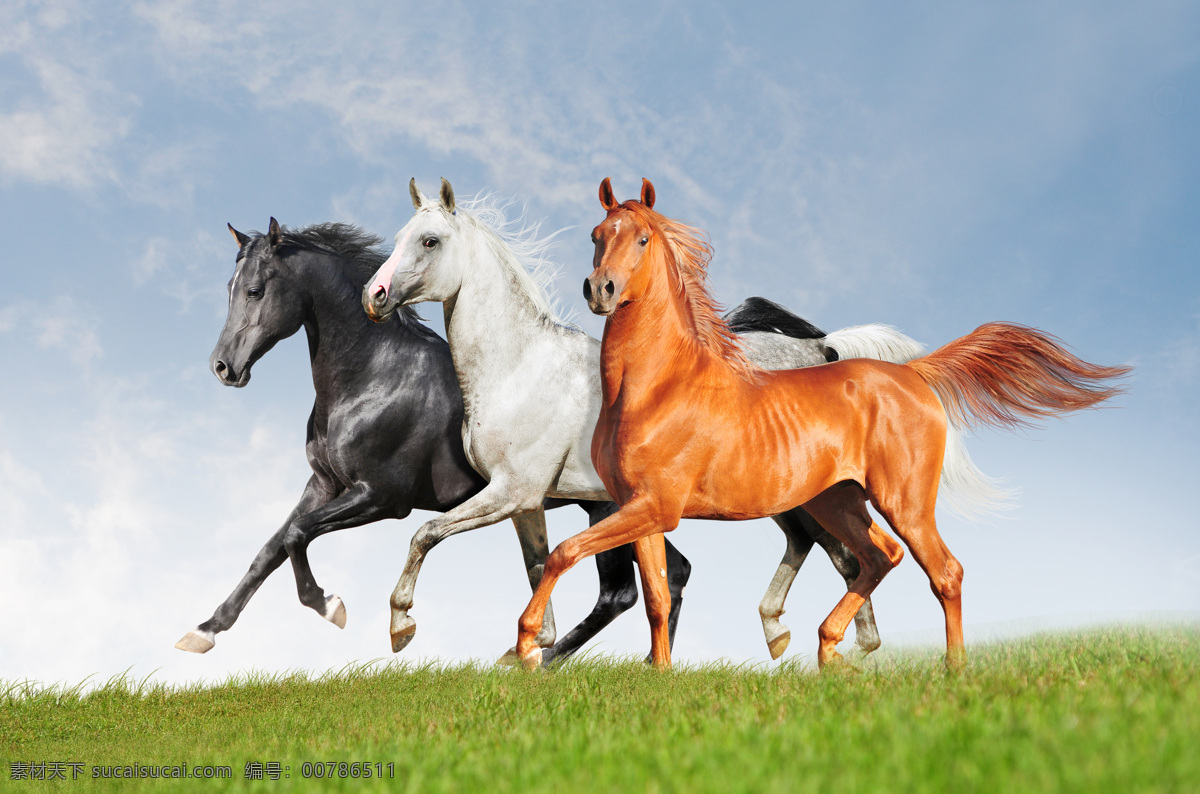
[
  {"x": 882, "y": 342},
  {"x": 966, "y": 490}
]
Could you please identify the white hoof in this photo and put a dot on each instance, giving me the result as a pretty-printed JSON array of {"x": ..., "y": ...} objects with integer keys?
[
  {"x": 335, "y": 611},
  {"x": 404, "y": 629},
  {"x": 779, "y": 643},
  {"x": 197, "y": 641},
  {"x": 777, "y": 635},
  {"x": 509, "y": 659}
]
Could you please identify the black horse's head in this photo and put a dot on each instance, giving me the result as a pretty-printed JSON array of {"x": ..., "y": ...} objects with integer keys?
[{"x": 265, "y": 306}]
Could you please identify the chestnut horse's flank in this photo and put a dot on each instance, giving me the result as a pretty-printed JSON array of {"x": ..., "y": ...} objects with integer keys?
[{"x": 690, "y": 429}]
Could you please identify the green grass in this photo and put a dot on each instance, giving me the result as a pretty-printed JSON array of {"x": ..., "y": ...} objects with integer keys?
[{"x": 1114, "y": 710}]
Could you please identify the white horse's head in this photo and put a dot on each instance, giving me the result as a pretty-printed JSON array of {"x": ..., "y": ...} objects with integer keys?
[{"x": 424, "y": 265}]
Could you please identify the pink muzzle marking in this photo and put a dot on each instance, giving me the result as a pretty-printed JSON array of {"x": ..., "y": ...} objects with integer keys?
[{"x": 382, "y": 283}]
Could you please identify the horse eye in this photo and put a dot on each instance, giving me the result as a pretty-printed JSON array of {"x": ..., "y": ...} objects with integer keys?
[
  {"x": 254, "y": 293},
  {"x": 429, "y": 242},
  {"x": 644, "y": 240}
]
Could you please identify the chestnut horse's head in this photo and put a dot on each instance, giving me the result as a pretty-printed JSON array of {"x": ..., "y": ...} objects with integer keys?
[{"x": 622, "y": 241}]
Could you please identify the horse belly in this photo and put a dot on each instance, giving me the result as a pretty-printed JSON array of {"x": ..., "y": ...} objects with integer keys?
[
  {"x": 766, "y": 459},
  {"x": 535, "y": 444},
  {"x": 739, "y": 491}
]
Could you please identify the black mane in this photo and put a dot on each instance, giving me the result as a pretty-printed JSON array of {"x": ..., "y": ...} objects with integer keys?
[
  {"x": 362, "y": 249},
  {"x": 760, "y": 314}
]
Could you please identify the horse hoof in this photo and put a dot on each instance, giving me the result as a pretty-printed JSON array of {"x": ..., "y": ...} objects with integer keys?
[
  {"x": 779, "y": 643},
  {"x": 403, "y": 631},
  {"x": 533, "y": 659},
  {"x": 836, "y": 664},
  {"x": 858, "y": 653},
  {"x": 841, "y": 667},
  {"x": 511, "y": 659},
  {"x": 827, "y": 658},
  {"x": 197, "y": 641},
  {"x": 335, "y": 611}
]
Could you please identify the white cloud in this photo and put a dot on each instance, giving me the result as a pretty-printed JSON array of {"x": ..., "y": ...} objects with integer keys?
[
  {"x": 62, "y": 127},
  {"x": 117, "y": 515},
  {"x": 67, "y": 329},
  {"x": 188, "y": 271}
]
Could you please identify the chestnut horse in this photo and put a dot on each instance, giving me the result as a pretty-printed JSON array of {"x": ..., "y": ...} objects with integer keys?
[{"x": 689, "y": 428}]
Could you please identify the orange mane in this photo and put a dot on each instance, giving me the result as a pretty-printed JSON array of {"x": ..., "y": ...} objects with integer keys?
[{"x": 689, "y": 253}]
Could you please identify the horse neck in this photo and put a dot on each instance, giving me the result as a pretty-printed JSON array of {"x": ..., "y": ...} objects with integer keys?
[
  {"x": 490, "y": 322},
  {"x": 341, "y": 338},
  {"x": 649, "y": 341}
]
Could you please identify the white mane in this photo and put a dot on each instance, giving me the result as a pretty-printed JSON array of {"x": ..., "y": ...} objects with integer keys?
[{"x": 517, "y": 244}]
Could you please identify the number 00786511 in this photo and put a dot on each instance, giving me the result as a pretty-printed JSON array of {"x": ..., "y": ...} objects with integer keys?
[{"x": 344, "y": 769}]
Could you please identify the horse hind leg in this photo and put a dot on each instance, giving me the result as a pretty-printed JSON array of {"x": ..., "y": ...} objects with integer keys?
[
  {"x": 866, "y": 633},
  {"x": 531, "y": 532},
  {"x": 842, "y": 511},
  {"x": 352, "y": 508},
  {"x": 918, "y": 529},
  {"x": 679, "y": 570},
  {"x": 799, "y": 543}
]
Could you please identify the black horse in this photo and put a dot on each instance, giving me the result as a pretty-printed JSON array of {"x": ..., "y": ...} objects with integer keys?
[{"x": 385, "y": 433}]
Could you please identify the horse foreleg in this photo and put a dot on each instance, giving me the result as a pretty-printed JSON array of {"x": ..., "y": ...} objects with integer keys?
[
  {"x": 651, "y": 555},
  {"x": 618, "y": 591},
  {"x": 202, "y": 638},
  {"x": 771, "y": 609},
  {"x": 635, "y": 520},
  {"x": 491, "y": 505}
]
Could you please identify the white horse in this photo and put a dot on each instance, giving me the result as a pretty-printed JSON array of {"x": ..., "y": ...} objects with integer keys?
[{"x": 531, "y": 385}]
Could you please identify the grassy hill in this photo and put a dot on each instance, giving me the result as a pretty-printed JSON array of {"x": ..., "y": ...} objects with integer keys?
[{"x": 1110, "y": 710}]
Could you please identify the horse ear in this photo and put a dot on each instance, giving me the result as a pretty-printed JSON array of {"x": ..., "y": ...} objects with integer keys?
[
  {"x": 241, "y": 238},
  {"x": 415, "y": 192},
  {"x": 274, "y": 236},
  {"x": 647, "y": 193},
  {"x": 447, "y": 196},
  {"x": 607, "y": 199}
]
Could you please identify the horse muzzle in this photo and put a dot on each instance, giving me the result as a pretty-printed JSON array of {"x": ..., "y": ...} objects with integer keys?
[
  {"x": 601, "y": 297},
  {"x": 376, "y": 302},
  {"x": 227, "y": 373}
]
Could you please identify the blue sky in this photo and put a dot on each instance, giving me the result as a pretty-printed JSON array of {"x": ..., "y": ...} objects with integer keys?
[{"x": 933, "y": 168}]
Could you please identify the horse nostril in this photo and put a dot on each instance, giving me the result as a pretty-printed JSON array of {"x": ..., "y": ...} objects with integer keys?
[
  {"x": 220, "y": 367},
  {"x": 380, "y": 294},
  {"x": 587, "y": 289},
  {"x": 610, "y": 288}
]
